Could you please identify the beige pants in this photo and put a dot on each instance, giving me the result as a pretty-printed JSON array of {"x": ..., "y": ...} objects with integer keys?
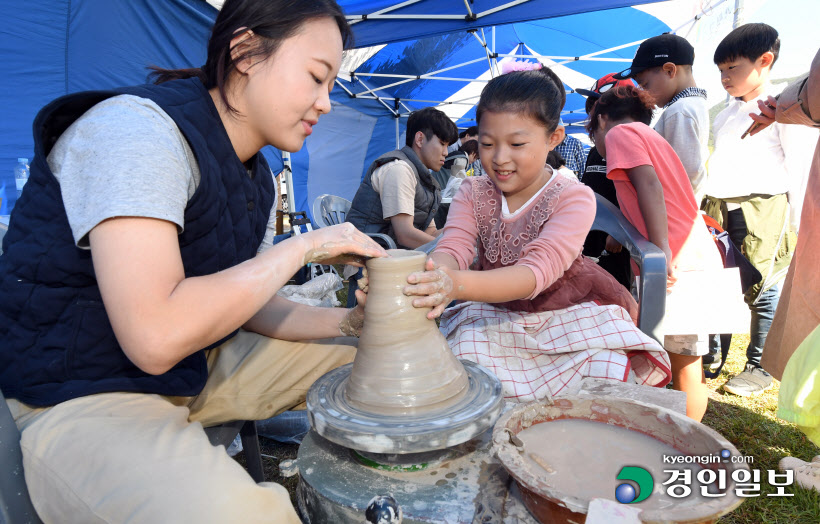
[{"x": 133, "y": 457}]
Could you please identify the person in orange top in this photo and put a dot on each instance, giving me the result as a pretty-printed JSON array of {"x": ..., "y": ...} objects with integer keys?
[{"x": 656, "y": 196}]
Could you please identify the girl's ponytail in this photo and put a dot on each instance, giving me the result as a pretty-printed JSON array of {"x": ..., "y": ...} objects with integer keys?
[
  {"x": 558, "y": 83},
  {"x": 159, "y": 75},
  {"x": 535, "y": 91}
]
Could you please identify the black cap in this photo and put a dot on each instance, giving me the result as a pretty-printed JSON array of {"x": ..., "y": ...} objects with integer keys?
[{"x": 658, "y": 50}]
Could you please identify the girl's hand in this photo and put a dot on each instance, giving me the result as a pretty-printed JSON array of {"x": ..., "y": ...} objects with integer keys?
[
  {"x": 670, "y": 270},
  {"x": 352, "y": 323},
  {"x": 339, "y": 244},
  {"x": 434, "y": 285}
]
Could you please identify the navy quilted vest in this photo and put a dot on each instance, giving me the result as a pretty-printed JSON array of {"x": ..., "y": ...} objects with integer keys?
[
  {"x": 366, "y": 209},
  {"x": 56, "y": 342}
]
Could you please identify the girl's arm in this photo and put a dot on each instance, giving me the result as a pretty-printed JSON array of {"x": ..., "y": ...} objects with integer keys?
[
  {"x": 544, "y": 261},
  {"x": 159, "y": 316},
  {"x": 452, "y": 256},
  {"x": 493, "y": 286},
  {"x": 439, "y": 285},
  {"x": 653, "y": 209}
]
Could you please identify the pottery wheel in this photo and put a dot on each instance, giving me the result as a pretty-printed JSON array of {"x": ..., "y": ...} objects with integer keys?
[{"x": 469, "y": 415}]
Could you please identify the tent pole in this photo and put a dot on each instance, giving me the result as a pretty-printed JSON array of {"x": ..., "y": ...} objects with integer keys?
[
  {"x": 288, "y": 171},
  {"x": 398, "y": 116},
  {"x": 353, "y": 20},
  {"x": 738, "y": 20},
  {"x": 469, "y": 11},
  {"x": 494, "y": 69},
  {"x": 380, "y": 99}
]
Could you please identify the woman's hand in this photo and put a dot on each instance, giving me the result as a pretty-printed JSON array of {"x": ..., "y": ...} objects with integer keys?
[
  {"x": 352, "y": 323},
  {"x": 435, "y": 287},
  {"x": 339, "y": 244},
  {"x": 766, "y": 116}
]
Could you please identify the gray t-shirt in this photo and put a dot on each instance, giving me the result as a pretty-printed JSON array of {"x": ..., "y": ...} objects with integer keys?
[
  {"x": 685, "y": 125},
  {"x": 126, "y": 157}
]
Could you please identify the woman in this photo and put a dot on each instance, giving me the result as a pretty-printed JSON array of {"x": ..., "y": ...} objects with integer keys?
[{"x": 147, "y": 208}]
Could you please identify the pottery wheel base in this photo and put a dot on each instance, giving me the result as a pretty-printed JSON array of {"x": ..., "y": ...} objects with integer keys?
[
  {"x": 332, "y": 416},
  {"x": 470, "y": 486}
]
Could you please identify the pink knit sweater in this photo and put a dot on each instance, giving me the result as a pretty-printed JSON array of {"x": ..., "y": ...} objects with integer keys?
[{"x": 546, "y": 235}]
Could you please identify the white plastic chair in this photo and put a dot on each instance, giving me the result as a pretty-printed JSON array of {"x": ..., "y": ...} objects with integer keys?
[{"x": 649, "y": 258}]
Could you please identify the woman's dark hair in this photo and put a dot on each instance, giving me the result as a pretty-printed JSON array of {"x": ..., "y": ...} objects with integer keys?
[
  {"x": 537, "y": 93},
  {"x": 748, "y": 41},
  {"x": 555, "y": 160},
  {"x": 430, "y": 121},
  {"x": 622, "y": 102},
  {"x": 470, "y": 147},
  {"x": 273, "y": 21}
]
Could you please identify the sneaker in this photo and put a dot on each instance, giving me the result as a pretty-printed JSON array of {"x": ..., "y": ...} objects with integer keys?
[
  {"x": 752, "y": 381},
  {"x": 806, "y": 474},
  {"x": 711, "y": 362}
]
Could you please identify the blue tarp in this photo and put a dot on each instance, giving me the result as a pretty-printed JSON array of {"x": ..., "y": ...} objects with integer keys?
[{"x": 54, "y": 47}]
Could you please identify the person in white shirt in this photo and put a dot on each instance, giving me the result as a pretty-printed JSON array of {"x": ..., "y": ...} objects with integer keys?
[{"x": 756, "y": 184}]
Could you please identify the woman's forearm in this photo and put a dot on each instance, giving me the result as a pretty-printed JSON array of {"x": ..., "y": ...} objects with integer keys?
[{"x": 286, "y": 320}]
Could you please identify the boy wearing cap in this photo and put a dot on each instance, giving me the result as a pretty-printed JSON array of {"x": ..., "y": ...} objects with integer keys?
[
  {"x": 616, "y": 260},
  {"x": 663, "y": 67}
]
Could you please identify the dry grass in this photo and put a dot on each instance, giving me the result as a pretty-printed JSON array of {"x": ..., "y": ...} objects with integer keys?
[{"x": 752, "y": 426}]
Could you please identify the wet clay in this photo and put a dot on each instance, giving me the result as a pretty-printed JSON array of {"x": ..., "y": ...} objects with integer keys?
[
  {"x": 582, "y": 458},
  {"x": 403, "y": 362}
]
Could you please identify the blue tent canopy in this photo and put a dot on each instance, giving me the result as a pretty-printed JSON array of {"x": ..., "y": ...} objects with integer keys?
[
  {"x": 377, "y": 94},
  {"x": 386, "y": 21},
  {"x": 55, "y": 47}
]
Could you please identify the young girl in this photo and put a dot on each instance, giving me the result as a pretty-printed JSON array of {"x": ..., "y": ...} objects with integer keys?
[
  {"x": 541, "y": 316},
  {"x": 131, "y": 264},
  {"x": 656, "y": 196}
]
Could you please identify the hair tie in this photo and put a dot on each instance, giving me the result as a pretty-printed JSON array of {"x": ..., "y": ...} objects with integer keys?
[{"x": 523, "y": 65}]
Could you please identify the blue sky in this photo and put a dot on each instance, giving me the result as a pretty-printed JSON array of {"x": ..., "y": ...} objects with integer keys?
[{"x": 798, "y": 22}]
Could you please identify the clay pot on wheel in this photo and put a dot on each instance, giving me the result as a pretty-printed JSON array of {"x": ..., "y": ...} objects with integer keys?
[{"x": 403, "y": 363}]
